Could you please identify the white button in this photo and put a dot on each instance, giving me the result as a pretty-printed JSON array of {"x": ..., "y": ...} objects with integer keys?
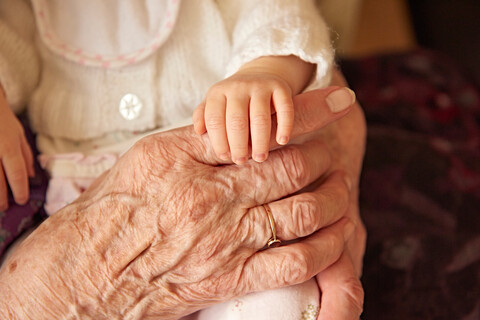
[{"x": 130, "y": 106}]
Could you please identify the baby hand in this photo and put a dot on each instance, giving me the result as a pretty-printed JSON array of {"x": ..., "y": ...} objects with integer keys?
[
  {"x": 245, "y": 101},
  {"x": 16, "y": 159}
]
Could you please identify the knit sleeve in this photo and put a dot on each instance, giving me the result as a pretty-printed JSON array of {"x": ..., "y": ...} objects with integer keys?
[
  {"x": 19, "y": 61},
  {"x": 278, "y": 27}
]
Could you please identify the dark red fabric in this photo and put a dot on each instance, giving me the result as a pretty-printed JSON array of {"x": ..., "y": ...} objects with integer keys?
[{"x": 420, "y": 188}]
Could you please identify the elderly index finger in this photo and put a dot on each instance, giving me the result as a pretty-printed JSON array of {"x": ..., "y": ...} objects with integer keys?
[{"x": 317, "y": 108}]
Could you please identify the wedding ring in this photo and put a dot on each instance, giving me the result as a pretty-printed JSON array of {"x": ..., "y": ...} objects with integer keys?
[{"x": 273, "y": 241}]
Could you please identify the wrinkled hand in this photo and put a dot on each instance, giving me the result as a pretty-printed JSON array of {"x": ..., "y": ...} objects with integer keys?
[
  {"x": 241, "y": 102},
  {"x": 16, "y": 159},
  {"x": 171, "y": 229}
]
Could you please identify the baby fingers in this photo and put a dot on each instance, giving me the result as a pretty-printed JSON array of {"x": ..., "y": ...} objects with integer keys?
[
  {"x": 283, "y": 104},
  {"x": 16, "y": 172},
  {"x": 260, "y": 126},
  {"x": 303, "y": 214},
  {"x": 216, "y": 127},
  {"x": 237, "y": 128}
]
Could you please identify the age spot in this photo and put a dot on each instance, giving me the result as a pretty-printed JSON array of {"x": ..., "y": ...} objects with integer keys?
[{"x": 12, "y": 267}]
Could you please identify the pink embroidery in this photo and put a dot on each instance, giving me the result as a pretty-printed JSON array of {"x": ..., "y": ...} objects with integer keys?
[{"x": 77, "y": 54}]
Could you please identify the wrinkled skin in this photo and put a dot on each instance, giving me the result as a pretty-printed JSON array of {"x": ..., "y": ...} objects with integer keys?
[{"x": 170, "y": 230}]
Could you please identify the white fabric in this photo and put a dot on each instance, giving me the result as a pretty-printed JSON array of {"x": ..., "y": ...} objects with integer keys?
[
  {"x": 72, "y": 61},
  {"x": 78, "y": 99},
  {"x": 301, "y": 301}
]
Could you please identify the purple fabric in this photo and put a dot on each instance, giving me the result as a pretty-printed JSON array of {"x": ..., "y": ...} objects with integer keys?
[
  {"x": 420, "y": 188},
  {"x": 16, "y": 219}
]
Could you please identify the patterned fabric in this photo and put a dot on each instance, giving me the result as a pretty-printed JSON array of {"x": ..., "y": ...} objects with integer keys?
[{"x": 420, "y": 189}]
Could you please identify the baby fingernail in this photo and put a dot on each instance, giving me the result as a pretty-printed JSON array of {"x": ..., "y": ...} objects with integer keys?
[
  {"x": 283, "y": 140},
  {"x": 340, "y": 99},
  {"x": 240, "y": 160},
  {"x": 260, "y": 157},
  {"x": 224, "y": 156}
]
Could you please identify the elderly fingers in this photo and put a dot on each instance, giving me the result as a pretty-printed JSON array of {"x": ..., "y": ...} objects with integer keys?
[
  {"x": 314, "y": 109},
  {"x": 303, "y": 214},
  {"x": 286, "y": 171},
  {"x": 296, "y": 262},
  {"x": 342, "y": 292}
]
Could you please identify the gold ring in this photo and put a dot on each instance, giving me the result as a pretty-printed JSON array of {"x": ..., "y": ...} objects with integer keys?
[{"x": 273, "y": 241}]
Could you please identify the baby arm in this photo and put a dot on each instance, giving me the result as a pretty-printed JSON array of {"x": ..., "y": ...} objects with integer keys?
[
  {"x": 243, "y": 104},
  {"x": 16, "y": 159}
]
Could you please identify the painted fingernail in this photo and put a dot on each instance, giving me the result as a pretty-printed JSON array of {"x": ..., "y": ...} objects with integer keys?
[
  {"x": 340, "y": 99},
  {"x": 260, "y": 157},
  {"x": 283, "y": 140}
]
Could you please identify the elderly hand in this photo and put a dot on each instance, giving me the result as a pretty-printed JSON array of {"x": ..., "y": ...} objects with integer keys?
[{"x": 168, "y": 230}]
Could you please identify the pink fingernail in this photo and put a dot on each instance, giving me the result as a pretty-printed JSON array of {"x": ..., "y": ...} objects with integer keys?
[{"x": 340, "y": 99}]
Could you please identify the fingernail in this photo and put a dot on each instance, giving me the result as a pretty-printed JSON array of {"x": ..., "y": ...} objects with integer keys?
[
  {"x": 340, "y": 99},
  {"x": 283, "y": 140},
  {"x": 240, "y": 160},
  {"x": 260, "y": 157},
  {"x": 224, "y": 156}
]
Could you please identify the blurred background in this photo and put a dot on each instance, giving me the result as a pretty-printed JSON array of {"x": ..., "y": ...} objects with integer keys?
[
  {"x": 415, "y": 68},
  {"x": 368, "y": 27}
]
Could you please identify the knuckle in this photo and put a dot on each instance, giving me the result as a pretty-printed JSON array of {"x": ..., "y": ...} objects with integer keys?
[
  {"x": 295, "y": 165},
  {"x": 215, "y": 121},
  {"x": 16, "y": 176},
  {"x": 354, "y": 292},
  {"x": 305, "y": 214},
  {"x": 296, "y": 267},
  {"x": 238, "y": 123},
  {"x": 285, "y": 113},
  {"x": 261, "y": 121}
]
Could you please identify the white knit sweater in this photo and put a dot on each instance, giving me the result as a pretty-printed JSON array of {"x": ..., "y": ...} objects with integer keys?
[{"x": 72, "y": 61}]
